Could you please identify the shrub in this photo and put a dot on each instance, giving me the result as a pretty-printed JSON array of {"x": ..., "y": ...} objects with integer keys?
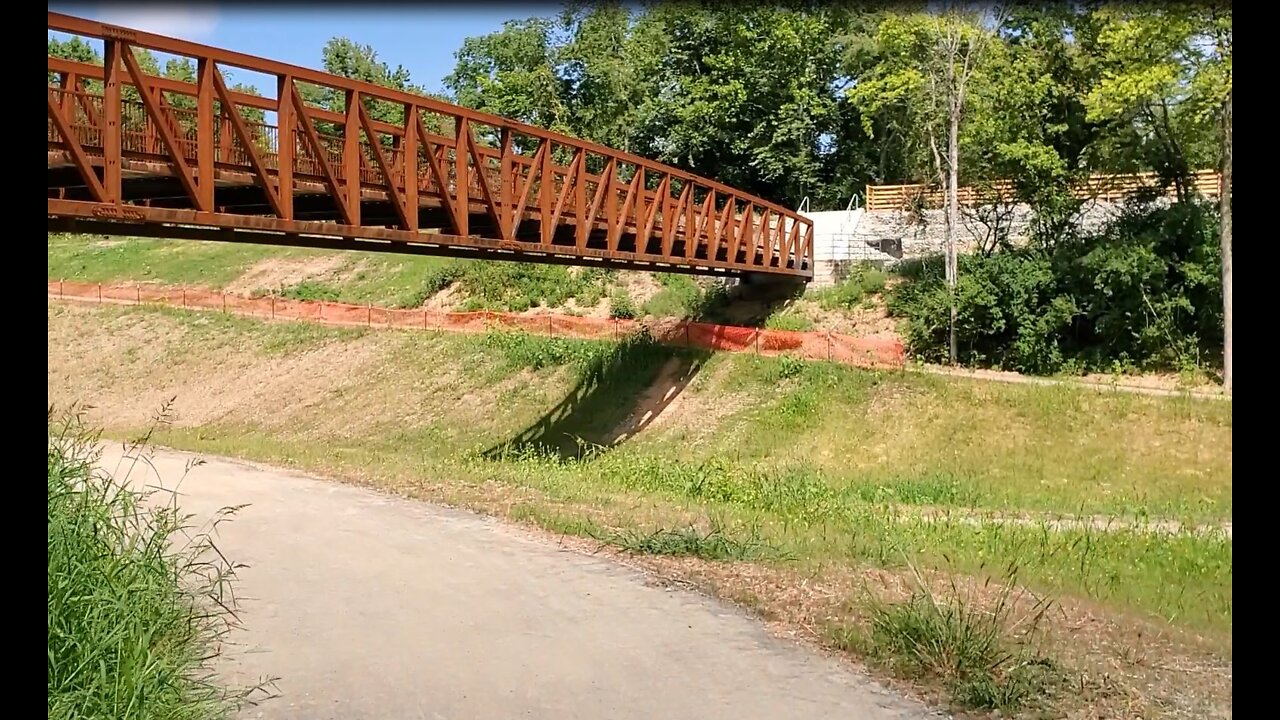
[
  {"x": 788, "y": 320},
  {"x": 1143, "y": 292},
  {"x": 621, "y": 305},
  {"x": 863, "y": 281},
  {"x": 679, "y": 297}
]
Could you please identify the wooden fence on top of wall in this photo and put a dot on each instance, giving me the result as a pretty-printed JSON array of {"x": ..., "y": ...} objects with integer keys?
[{"x": 1098, "y": 187}]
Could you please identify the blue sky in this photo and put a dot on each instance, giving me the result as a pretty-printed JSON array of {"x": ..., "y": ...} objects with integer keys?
[{"x": 423, "y": 38}]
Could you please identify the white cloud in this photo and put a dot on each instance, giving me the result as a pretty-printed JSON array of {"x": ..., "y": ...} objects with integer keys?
[{"x": 189, "y": 21}]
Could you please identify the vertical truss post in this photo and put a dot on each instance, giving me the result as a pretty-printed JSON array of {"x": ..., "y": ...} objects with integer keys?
[
  {"x": 204, "y": 134},
  {"x": 351, "y": 155},
  {"x": 111, "y": 130},
  {"x": 461, "y": 151},
  {"x": 506, "y": 180},
  {"x": 546, "y": 197},
  {"x": 286, "y": 143},
  {"x": 409, "y": 151},
  {"x": 583, "y": 223}
]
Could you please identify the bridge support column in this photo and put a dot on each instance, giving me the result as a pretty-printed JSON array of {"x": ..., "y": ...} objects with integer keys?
[
  {"x": 767, "y": 283},
  {"x": 769, "y": 289}
]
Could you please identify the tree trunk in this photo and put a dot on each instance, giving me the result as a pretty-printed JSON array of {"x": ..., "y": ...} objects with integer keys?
[
  {"x": 953, "y": 214},
  {"x": 1225, "y": 212}
]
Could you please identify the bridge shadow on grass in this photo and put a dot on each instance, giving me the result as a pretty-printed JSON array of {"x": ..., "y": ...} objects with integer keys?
[
  {"x": 619, "y": 394},
  {"x": 747, "y": 304}
]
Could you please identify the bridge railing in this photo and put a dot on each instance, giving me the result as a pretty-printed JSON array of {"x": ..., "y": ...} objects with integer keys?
[
  {"x": 492, "y": 177},
  {"x": 1097, "y": 187}
]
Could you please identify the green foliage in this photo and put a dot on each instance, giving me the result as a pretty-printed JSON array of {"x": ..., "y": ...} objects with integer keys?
[
  {"x": 787, "y": 367},
  {"x": 73, "y": 48},
  {"x": 988, "y": 657},
  {"x": 138, "y": 601},
  {"x": 520, "y": 286},
  {"x": 512, "y": 73},
  {"x": 679, "y": 297},
  {"x": 621, "y": 305},
  {"x": 310, "y": 290},
  {"x": 1144, "y": 292},
  {"x": 863, "y": 281},
  {"x": 788, "y": 320},
  {"x": 346, "y": 58},
  {"x": 180, "y": 69},
  {"x": 743, "y": 95},
  {"x": 1164, "y": 75}
]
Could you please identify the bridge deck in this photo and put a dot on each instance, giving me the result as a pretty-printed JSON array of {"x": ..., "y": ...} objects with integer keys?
[{"x": 135, "y": 154}]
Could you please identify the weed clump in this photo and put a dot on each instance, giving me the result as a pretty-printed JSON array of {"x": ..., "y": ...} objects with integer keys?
[
  {"x": 985, "y": 651},
  {"x": 713, "y": 544},
  {"x": 138, "y": 600},
  {"x": 863, "y": 282},
  {"x": 621, "y": 305}
]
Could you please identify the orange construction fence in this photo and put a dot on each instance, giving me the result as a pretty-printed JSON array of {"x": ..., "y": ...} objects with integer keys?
[{"x": 883, "y": 351}]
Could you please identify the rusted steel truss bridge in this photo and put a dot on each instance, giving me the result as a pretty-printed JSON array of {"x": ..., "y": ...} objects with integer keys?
[{"x": 141, "y": 155}]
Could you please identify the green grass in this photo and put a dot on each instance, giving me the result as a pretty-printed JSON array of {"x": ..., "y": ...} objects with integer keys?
[
  {"x": 311, "y": 290},
  {"x": 357, "y": 277},
  {"x": 863, "y": 281},
  {"x": 517, "y": 287},
  {"x": 819, "y": 461},
  {"x": 788, "y": 320},
  {"x": 713, "y": 544},
  {"x": 137, "y": 605},
  {"x": 988, "y": 655},
  {"x": 679, "y": 297},
  {"x": 91, "y": 258}
]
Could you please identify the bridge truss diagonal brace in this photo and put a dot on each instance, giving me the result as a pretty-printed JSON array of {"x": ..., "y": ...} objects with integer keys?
[
  {"x": 403, "y": 212},
  {"x": 260, "y": 173},
  {"x": 78, "y": 156},
  {"x": 150, "y": 96},
  {"x": 321, "y": 157}
]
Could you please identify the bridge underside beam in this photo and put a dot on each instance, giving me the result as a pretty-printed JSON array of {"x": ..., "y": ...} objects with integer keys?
[
  {"x": 99, "y": 227},
  {"x": 87, "y": 218}
]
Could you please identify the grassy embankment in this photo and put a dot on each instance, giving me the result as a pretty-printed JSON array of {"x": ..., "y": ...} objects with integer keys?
[
  {"x": 798, "y": 474},
  {"x": 380, "y": 279},
  {"x": 409, "y": 281}
]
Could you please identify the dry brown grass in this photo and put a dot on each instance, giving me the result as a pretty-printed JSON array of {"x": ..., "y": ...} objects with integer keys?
[{"x": 276, "y": 273}]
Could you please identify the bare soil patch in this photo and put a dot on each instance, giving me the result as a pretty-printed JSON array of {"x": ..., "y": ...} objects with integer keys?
[
  {"x": 447, "y": 299},
  {"x": 277, "y": 273},
  {"x": 641, "y": 286}
]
